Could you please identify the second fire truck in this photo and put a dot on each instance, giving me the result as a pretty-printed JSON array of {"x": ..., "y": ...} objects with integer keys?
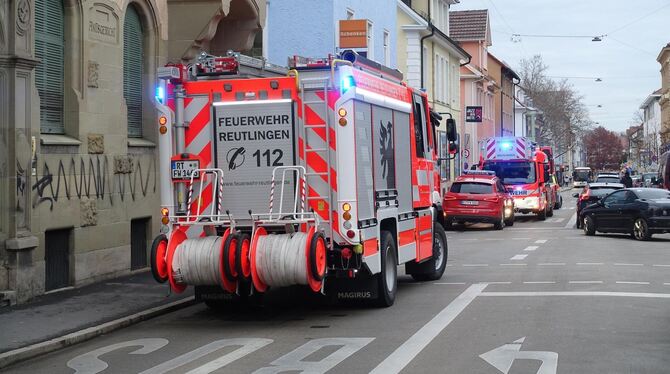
[
  {"x": 524, "y": 170},
  {"x": 324, "y": 176}
]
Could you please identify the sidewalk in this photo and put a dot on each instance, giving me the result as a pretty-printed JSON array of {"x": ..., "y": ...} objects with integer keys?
[{"x": 99, "y": 308}]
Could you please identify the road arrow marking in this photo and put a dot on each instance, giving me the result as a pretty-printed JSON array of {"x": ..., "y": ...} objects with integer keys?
[{"x": 503, "y": 357}]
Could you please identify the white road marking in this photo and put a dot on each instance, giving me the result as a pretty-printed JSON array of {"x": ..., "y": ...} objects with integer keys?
[
  {"x": 475, "y": 264},
  {"x": 449, "y": 265},
  {"x": 495, "y": 282},
  {"x": 626, "y": 282},
  {"x": 513, "y": 264},
  {"x": 503, "y": 357},
  {"x": 449, "y": 283},
  {"x": 666, "y": 284},
  {"x": 572, "y": 222},
  {"x": 559, "y": 220},
  {"x": 540, "y": 282},
  {"x": 531, "y": 248},
  {"x": 519, "y": 238},
  {"x": 541, "y": 241},
  {"x": 417, "y": 342},
  {"x": 589, "y": 263},
  {"x": 660, "y": 265},
  {"x": 648, "y": 295},
  {"x": 519, "y": 257},
  {"x": 620, "y": 264},
  {"x": 571, "y": 208},
  {"x": 551, "y": 264},
  {"x": 585, "y": 282}
]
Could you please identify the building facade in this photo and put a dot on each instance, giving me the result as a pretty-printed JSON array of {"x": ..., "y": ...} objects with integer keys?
[
  {"x": 664, "y": 100},
  {"x": 431, "y": 60},
  {"x": 651, "y": 114},
  {"x": 472, "y": 30},
  {"x": 316, "y": 34},
  {"x": 78, "y": 175}
]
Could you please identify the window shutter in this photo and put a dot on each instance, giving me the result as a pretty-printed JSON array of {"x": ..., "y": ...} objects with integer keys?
[
  {"x": 49, "y": 76},
  {"x": 132, "y": 70}
]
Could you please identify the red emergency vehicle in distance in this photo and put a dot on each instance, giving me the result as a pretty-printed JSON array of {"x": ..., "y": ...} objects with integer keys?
[
  {"x": 478, "y": 196},
  {"x": 553, "y": 182},
  {"x": 524, "y": 170}
]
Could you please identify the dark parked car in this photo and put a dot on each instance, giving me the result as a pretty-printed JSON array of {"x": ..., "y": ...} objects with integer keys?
[
  {"x": 591, "y": 194},
  {"x": 640, "y": 212}
]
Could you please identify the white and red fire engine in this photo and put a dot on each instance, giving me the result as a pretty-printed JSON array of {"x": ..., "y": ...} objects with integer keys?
[
  {"x": 323, "y": 175},
  {"x": 524, "y": 170}
]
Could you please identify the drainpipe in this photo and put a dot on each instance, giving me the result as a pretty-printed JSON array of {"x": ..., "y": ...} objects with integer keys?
[{"x": 432, "y": 32}]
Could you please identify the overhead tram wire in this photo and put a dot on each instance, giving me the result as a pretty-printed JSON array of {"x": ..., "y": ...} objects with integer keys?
[{"x": 636, "y": 20}]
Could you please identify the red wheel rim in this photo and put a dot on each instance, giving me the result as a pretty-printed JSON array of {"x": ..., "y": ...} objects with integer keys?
[
  {"x": 177, "y": 237},
  {"x": 244, "y": 259},
  {"x": 231, "y": 256},
  {"x": 161, "y": 264},
  {"x": 314, "y": 284},
  {"x": 227, "y": 285},
  {"x": 321, "y": 257},
  {"x": 255, "y": 278}
]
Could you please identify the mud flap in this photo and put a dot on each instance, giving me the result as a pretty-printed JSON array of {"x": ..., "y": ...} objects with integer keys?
[{"x": 361, "y": 289}]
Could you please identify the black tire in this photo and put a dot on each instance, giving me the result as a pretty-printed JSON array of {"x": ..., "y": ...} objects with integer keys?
[
  {"x": 510, "y": 221},
  {"x": 542, "y": 216},
  {"x": 559, "y": 203},
  {"x": 641, "y": 230},
  {"x": 433, "y": 269},
  {"x": 550, "y": 212},
  {"x": 589, "y": 226},
  {"x": 154, "y": 248},
  {"x": 387, "y": 279},
  {"x": 501, "y": 223}
]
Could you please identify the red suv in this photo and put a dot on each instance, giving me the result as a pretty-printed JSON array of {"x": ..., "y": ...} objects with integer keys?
[{"x": 478, "y": 196}]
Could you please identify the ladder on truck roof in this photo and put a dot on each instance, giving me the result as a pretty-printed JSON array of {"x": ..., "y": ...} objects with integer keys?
[{"x": 317, "y": 84}]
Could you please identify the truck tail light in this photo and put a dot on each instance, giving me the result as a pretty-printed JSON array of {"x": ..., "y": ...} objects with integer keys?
[{"x": 165, "y": 219}]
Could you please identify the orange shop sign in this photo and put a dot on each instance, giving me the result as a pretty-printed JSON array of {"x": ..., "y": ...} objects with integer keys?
[{"x": 354, "y": 33}]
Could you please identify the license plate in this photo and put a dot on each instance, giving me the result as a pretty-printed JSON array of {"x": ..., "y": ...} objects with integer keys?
[
  {"x": 469, "y": 202},
  {"x": 184, "y": 169}
]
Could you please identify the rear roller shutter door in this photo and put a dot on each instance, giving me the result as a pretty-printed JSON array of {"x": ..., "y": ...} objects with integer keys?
[
  {"x": 132, "y": 70},
  {"x": 49, "y": 49}
]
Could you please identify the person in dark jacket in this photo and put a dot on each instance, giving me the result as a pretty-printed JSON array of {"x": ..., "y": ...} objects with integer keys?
[{"x": 626, "y": 180}]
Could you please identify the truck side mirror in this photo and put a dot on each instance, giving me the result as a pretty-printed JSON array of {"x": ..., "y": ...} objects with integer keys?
[{"x": 451, "y": 129}]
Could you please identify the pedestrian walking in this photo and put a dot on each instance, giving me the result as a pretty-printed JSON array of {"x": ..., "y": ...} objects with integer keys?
[{"x": 626, "y": 180}]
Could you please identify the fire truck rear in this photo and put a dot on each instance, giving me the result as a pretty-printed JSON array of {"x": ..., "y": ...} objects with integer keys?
[
  {"x": 323, "y": 177},
  {"x": 524, "y": 170}
]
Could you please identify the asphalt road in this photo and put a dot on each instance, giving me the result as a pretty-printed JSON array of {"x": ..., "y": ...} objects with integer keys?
[{"x": 538, "y": 297}]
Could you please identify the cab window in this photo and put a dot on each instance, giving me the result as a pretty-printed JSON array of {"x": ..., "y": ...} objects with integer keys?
[{"x": 419, "y": 120}]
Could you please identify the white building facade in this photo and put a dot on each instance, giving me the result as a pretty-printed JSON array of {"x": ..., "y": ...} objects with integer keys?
[{"x": 651, "y": 110}]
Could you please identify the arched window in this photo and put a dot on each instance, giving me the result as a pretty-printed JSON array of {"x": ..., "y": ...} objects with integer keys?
[
  {"x": 133, "y": 60},
  {"x": 49, "y": 76}
]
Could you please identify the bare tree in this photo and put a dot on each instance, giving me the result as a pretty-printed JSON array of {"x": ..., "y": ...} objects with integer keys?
[{"x": 565, "y": 118}]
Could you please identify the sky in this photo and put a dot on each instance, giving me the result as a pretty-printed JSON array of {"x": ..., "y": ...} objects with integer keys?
[{"x": 635, "y": 32}]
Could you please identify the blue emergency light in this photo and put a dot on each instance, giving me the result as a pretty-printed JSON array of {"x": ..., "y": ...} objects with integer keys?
[
  {"x": 160, "y": 94},
  {"x": 346, "y": 82},
  {"x": 506, "y": 146}
]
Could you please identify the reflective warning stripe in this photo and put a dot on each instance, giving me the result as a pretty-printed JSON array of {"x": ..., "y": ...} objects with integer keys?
[{"x": 198, "y": 139}]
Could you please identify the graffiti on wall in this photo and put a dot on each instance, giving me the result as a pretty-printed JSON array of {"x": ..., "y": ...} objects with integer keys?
[{"x": 95, "y": 177}]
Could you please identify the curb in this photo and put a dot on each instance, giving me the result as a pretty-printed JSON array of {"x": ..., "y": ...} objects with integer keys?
[{"x": 37, "y": 349}]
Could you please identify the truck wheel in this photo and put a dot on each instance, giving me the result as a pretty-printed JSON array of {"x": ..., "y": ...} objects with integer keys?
[
  {"x": 158, "y": 248},
  {"x": 550, "y": 212},
  {"x": 542, "y": 216},
  {"x": 387, "y": 279},
  {"x": 433, "y": 269},
  {"x": 510, "y": 220}
]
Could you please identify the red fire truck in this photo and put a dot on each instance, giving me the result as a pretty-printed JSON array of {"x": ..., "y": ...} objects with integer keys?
[
  {"x": 324, "y": 176},
  {"x": 524, "y": 170}
]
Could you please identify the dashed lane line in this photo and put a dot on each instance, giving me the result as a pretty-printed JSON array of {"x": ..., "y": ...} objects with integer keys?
[
  {"x": 666, "y": 284},
  {"x": 551, "y": 264},
  {"x": 623, "y": 264},
  {"x": 577, "y": 293},
  {"x": 541, "y": 241},
  {"x": 522, "y": 264},
  {"x": 474, "y": 265},
  {"x": 404, "y": 354},
  {"x": 498, "y": 282},
  {"x": 590, "y": 263},
  {"x": 585, "y": 282},
  {"x": 628, "y": 282},
  {"x": 518, "y": 257},
  {"x": 450, "y": 283},
  {"x": 540, "y": 282},
  {"x": 661, "y": 265},
  {"x": 531, "y": 248}
]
